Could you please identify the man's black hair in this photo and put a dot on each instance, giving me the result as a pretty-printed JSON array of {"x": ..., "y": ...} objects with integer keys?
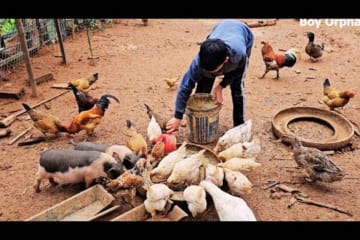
[{"x": 212, "y": 53}]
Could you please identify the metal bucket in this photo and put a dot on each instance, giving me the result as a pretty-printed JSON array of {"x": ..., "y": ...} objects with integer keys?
[{"x": 203, "y": 118}]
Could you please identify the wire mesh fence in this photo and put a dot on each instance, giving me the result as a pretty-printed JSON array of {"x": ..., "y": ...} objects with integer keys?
[{"x": 38, "y": 32}]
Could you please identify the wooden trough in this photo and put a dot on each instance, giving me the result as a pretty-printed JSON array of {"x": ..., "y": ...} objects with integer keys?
[
  {"x": 83, "y": 206},
  {"x": 139, "y": 213}
]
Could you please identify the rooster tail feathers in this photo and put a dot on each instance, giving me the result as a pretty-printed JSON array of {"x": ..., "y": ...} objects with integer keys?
[
  {"x": 103, "y": 101},
  {"x": 291, "y": 56},
  {"x": 326, "y": 83},
  {"x": 27, "y": 107},
  {"x": 109, "y": 96}
]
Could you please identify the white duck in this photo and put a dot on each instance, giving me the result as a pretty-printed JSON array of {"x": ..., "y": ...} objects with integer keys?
[{"x": 228, "y": 207}]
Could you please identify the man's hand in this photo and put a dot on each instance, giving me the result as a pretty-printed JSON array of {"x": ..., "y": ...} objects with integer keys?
[
  {"x": 172, "y": 125},
  {"x": 217, "y": 94}
]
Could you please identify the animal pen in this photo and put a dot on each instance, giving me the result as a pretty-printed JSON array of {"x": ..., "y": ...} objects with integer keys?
[{"x": 38, "y": 33}]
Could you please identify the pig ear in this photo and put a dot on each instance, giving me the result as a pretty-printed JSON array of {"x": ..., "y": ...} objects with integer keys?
[{"x": 117, "y": 157}]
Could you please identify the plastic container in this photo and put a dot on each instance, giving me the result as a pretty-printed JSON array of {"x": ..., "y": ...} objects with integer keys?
[{"x": 203, "y": 118}]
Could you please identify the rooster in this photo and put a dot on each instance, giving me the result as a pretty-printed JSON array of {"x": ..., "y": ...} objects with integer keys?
[
  {"x": 276, "y": 61},
  {"x": 45, "y": 122},
  {"x": 84, "y": 101},
  {"x": 88, "y": 120},
  {"x": 315, "y": 51},
  {"x": 335, "y": 98},
  {"x": 84, "y": 84}
]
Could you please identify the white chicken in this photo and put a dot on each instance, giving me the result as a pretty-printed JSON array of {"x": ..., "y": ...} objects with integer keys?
[
  {"x": 189, "y": 171},
  {"x": 238, "y": 134},
  {"x": 228, "y": 207},
  {"x": 157, "y": 195},
  {"x": 195, "y": 196},
  {"x": 153, "y": 130},
  {"x": 241, "y": 150},
  {"x": 166, "y": 165},
  {"x": 238, "y": 183},
  {"x": 240, "y": 164},
  {"x": 214, "y": 174},
  {"x": 157, "y": 198}
]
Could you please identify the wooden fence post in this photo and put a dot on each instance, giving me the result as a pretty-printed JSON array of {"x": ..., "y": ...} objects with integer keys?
[
  {"x": 61, "y": 42},
  {"x": 25, "y": 51}
]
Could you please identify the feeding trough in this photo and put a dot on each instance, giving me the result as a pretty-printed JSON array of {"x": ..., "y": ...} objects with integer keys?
[
  {"x": 191, "y": 148},
  {"x": 341, "y": 129},
  {"x": 139, "y": 213},
  {"x": 83, "y": 206}
]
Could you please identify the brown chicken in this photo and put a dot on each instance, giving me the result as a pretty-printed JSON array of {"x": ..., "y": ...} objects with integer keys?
[
  {"x": 315, "y": 51},
  {"x": 83, "y": 100},
  {"x": 136, "y": 142},
  {"x": 273, "y": 62},
  {"x": 172, "y": 82},
  {"x": 45, "y": 122},
  {"x": 335, "y": 98},
  {"x": 157, "y": 152},
  {"x": 88, "y": 120},
  {"x": 316, "y": 163},
  {"x": 84, "y": 84}
]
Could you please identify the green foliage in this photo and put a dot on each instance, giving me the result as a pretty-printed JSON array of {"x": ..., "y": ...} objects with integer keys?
[{"x": 7, "y": 25}]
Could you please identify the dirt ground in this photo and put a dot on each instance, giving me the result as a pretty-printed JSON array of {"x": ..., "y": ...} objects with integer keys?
[{"x": 133, "y": 62}]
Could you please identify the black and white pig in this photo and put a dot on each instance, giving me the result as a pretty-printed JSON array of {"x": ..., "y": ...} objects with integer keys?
[
  {"x": 128, "y": 157},
  {"x": 62, "y": 166}
]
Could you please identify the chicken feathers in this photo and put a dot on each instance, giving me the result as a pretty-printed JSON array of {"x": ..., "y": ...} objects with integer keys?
[
  {"x": 45, "y": 122},
  {"x": 273, "y": 62},
  {"x": 335, "y": 98}
]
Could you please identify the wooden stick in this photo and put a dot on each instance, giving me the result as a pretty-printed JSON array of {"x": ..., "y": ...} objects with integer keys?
[
  {"x": 319, "y": 204},
  {"x": 36, "y": 140},
  {"x": 19, "y": 136},
  {"x": 11, "y": 118},
  {"x": 286, "y": 188},
  {"x": 270, "y": 185}
]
